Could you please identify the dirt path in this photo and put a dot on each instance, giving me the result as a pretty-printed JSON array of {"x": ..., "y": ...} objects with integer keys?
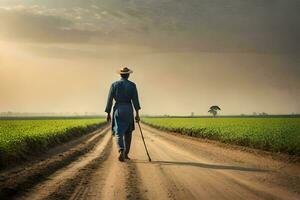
[{"x": 182, "y": 168}]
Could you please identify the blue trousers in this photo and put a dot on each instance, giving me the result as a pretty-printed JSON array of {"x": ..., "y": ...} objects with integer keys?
[{"x": 124, "y": 141}]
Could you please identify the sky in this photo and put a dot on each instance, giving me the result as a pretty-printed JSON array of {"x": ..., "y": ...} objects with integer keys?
[{"x": 62, "y": 55}]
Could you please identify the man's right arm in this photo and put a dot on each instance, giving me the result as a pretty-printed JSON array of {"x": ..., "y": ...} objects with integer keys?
[
  {"x": 136, "y": 103},
  {"x": 109, "y": 103}
]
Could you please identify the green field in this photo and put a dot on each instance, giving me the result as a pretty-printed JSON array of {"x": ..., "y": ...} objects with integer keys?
[
  {"x": 273, "y": 134},
  {"x": 20, "y": 137}
]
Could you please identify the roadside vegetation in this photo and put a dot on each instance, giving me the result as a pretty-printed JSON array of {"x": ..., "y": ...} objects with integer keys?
[
  {"x": 272, "y": 134},
  {"x": 19, "y": 138}
]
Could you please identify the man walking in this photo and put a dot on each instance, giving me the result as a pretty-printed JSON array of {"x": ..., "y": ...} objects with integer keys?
[{"x": 125, "y": 94}]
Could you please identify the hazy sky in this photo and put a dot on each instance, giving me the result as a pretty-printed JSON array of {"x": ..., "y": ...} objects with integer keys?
[{"x": 61, "y": 55}]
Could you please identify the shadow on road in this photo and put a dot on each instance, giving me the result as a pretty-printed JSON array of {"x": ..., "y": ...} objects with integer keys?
[{"x": 203, "y": 165}]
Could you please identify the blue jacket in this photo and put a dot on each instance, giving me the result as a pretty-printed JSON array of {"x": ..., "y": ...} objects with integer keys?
[{"x": 125, "y": 94}]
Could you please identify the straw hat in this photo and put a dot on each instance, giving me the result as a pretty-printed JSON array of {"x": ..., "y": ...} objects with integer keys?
[{"x": 124, "y": 70}]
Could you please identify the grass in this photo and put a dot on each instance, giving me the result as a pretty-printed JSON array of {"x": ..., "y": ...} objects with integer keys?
[
  {"x": 19, "y": 138},
  {"x": 272, "y": 134}
]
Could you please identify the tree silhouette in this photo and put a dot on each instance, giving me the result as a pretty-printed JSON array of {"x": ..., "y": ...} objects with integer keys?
[{"x": 214, "y": 110}]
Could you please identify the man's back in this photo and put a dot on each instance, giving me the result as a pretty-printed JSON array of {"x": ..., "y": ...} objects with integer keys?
[{"x": 123, "y": 91}]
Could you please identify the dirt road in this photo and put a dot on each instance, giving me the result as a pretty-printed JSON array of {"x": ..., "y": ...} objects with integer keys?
[{"x": 182, "y": 168}]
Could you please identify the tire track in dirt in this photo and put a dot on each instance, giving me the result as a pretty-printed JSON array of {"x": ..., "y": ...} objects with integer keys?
[
  {"x": 17, "y": 180},
  {"x": 111, "y": 180},
  {"x": 50, "y": 187},
  {"x": 133, "y": 182},
  {"x": 107, "y": 181},
  {"x": 156, "y": 183},
  {"x": 77, "y": 187}
]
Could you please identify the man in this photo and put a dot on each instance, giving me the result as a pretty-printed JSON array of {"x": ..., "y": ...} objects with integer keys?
[{"x": 125, "y": 94}]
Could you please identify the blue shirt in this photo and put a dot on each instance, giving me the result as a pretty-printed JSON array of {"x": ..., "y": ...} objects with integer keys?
[
  {"x": 123, "y": 91},
  {"x": 125, "y": 94}
]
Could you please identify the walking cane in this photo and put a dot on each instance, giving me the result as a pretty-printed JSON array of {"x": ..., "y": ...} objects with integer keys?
[{"x": 144, "y": 142}]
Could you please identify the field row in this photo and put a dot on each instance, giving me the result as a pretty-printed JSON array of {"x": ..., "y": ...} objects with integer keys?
[
  {"x": 273, "y": 134},
  {"x": 19, "y": 138}
]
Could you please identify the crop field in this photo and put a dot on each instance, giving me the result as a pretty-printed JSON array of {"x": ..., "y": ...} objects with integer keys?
[
  {"x": 273, "y": 134},
  {"x": 18, "y": 137}
]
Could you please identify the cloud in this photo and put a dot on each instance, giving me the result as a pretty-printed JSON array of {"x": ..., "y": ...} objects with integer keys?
[
  {"x": 198, "y": 25},
  {"x": 95, "y": 7},
  {"x": 60, "y": 25},
  {"x": 39, "y": 24},
  {"x": 71, "y": 14}
]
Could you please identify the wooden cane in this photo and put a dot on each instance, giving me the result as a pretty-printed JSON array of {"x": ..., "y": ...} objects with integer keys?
[{"x": 144, "y": 142}]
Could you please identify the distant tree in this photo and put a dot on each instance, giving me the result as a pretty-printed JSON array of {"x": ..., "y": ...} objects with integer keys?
[
  {"x": 192, "y": 114},
  {"x": 214, "y": 110},
  {"x": 263, "y": 114},
  {"x": 254, "y": 113}
]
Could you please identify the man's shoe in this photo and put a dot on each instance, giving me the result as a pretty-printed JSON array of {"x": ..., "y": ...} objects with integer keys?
[
  {"x": 126, "y": 157},
  {"x": 121, "y": 156}
]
